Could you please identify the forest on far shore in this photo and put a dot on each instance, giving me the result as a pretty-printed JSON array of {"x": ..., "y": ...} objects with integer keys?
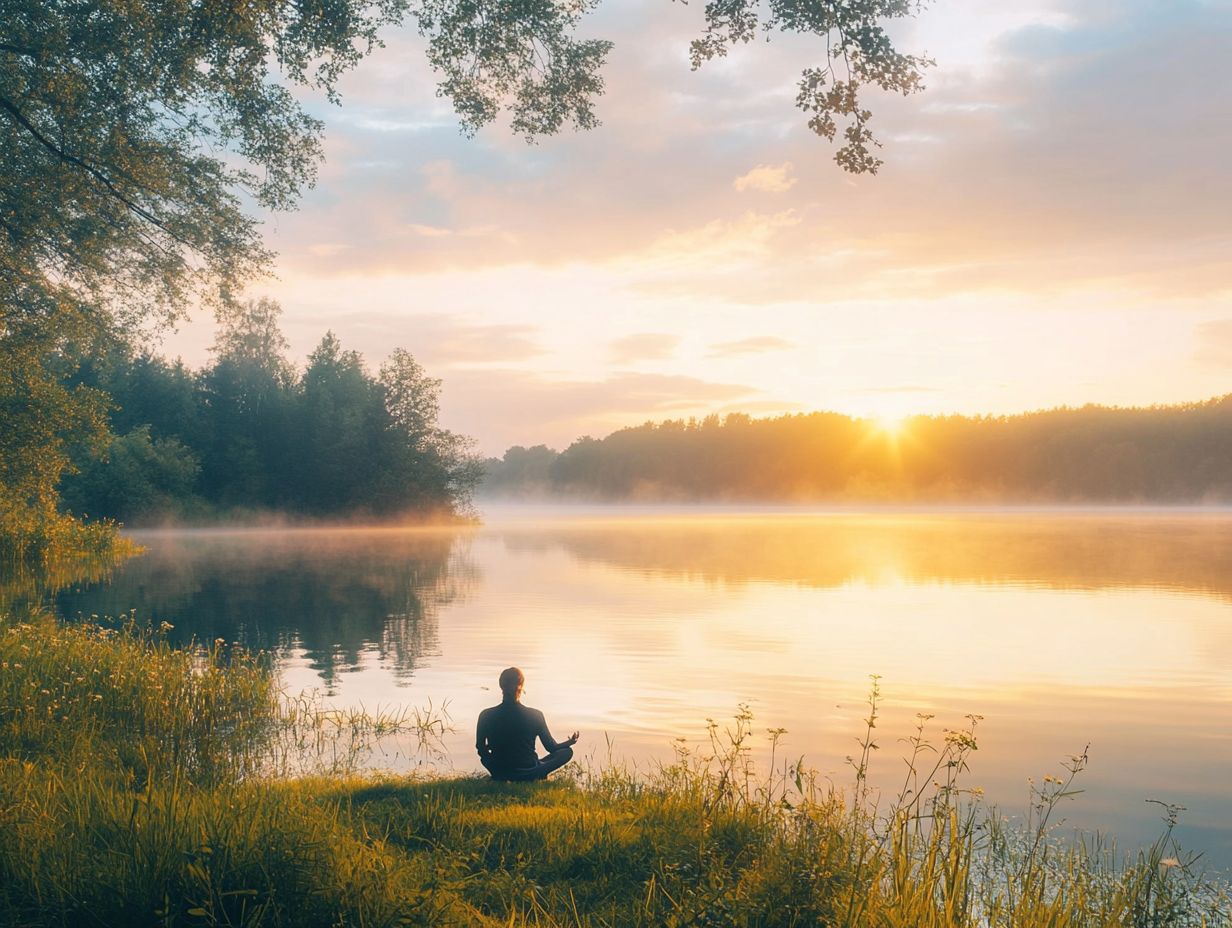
[
  {"x": 251, "y": 436},
  {"x": 1173, "y": 455}
]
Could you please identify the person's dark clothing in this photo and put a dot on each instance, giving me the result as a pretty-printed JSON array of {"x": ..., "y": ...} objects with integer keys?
[
  {"x": 541, "y": 769},
  {"x": 505, "y": 739}
]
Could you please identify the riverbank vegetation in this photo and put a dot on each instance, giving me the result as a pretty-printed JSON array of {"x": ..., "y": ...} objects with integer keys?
[
  {"x": 45, "y": 422},
  {"x": 119, "y": 435},
  {"x": 142, "y": 784},
  {"x": 1093, "y": 454}
]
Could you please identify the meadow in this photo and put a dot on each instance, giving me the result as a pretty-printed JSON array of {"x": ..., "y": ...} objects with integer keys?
[{"x": 147, "y": 784}]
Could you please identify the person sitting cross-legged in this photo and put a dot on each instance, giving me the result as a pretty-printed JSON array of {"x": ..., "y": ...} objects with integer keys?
[{"x": 505, "y": 736}]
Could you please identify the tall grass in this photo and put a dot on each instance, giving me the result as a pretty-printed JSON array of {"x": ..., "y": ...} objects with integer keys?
[
  {"x": 39, "y": 556},
  {"x": 146, "y": 784},
  {"x": 123, "y": 702},
  {"x": 142, "y": 784},
  {"x": 39, "y": 539}
]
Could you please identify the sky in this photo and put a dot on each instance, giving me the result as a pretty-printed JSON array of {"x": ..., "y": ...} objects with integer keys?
[{"x": 1052, "y": 226}]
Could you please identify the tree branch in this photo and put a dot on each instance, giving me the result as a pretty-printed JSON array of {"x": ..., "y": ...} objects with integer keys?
[
  {"x": 19, "y": 50},
  {"x": 94, "y": 172}
]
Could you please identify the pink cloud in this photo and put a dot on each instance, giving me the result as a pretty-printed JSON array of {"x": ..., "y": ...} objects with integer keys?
[
  {"x": 646, "y": 346},
  {"x": 509, "y": 407},
  {"x": 746, "y": 346},
  {"x": 767, "y": 178}
]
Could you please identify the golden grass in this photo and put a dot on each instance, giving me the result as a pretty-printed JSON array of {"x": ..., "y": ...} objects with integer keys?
[{"x": 142, "y": 784}]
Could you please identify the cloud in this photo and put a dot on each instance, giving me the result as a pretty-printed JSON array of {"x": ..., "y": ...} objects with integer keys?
[
  {"x": 435, "y": 339},
  {"x": 1068, "y": 154},
  {"x": 767, "y": 178},
  {"x": 646, "y": 346},
  {"x": 1214, "y": 342},
  {"x": 512, "y": 407},
  {"x": 745, "y": 346},
  {"x": 1080, "y": 144},
  {"x": 417, "y": 228},
  {"x": 761, "y": 407},
  {"x": 327, "y": 249},
  {"x": 900, "y": 388}
]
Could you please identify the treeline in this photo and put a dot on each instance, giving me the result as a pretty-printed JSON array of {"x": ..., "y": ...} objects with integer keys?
[
  {"x": 249, "y": 434},
  {"x": 1161, "y": 454}
]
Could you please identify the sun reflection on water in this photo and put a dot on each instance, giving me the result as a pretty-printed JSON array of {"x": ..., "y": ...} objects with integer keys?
[{"x": 1107, "y": 628}]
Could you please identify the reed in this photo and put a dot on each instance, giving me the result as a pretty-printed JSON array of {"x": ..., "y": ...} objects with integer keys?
[
  {"x": 36, "y": 539},
  {"x": 142, "y": 784},
  {"x": 42, "y": 554}
]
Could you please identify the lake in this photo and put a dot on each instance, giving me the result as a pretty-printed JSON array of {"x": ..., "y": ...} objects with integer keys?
[{"x": 636, "y": 625}]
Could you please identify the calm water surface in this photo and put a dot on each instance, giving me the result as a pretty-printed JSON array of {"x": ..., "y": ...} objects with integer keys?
[{"x": 1061, "y": 629}]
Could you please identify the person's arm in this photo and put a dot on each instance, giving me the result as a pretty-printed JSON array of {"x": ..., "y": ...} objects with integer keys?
[
  {"x": 551, "y": 743},
  {"x": 481, "y": 738}
]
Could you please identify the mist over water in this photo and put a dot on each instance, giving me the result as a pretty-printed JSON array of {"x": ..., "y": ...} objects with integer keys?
[{"x": 1060, "y": 628}]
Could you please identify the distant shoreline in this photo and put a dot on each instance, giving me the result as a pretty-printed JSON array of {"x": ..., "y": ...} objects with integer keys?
[{"x": 496, "y": 512}]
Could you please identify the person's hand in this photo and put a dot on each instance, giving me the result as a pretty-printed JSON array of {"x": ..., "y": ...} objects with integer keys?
[{"x": 573, "y": 738}]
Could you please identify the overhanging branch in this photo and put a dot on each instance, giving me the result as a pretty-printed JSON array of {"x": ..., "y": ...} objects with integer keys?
[{"x": 90, "y": 169}]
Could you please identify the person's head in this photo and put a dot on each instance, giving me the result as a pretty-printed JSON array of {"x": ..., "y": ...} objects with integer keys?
[{"x": 511, "y": 680}]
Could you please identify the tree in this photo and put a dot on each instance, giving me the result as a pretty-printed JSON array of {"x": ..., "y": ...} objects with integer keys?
[
  {"x": 133, "y": 132},
  {"x": 43, "y": 422},
  {"x": 249, "y": 333},
  {"x": 341, "y": 417},
  {"x": 520, "y": 472},
  {"x": 146, "y": 390},
  {"x": 859, "y": 54},
  {"x": 440, "y": 468},
  {"x": 137, "y": 476},
  {"x": 248, "y": 434},
  {"x": 137, "y": 134},
  {"x": 246, "y": 401},
  {"x": 411, "y": 396}
]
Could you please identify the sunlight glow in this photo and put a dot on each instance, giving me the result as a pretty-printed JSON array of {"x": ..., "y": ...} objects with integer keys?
[{"x": 891, "y": 425}]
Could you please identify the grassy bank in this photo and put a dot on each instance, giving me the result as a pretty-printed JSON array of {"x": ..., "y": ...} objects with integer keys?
[
  {"x": 142, "y": 784},
  {"x": 39, "y": 555},
  {"x": 35, "y": 540}
]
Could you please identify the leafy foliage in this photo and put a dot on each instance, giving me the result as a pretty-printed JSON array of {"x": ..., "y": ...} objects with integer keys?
[
  {"x": 859, "y": 54},
  {"x": 521, "y": 56},
  {"x": 47, "y": 422},
  {"x": 134, "y": 132},
  {"x": 135, "y": 135},
  {"x": 139, "y": 135},
  {"x": 137, "y": 474},
  {"x": 248, "y": 433}
]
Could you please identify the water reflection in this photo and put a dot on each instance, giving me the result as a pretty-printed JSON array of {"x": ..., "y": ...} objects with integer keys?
[
  {"x": 1111, "y": 628},
  {"x": 23, "y": 587},
  {"x": 1075, "y": 551},
  {"x": 910, "y": 594},
  {"x": 332, "y": 595}
]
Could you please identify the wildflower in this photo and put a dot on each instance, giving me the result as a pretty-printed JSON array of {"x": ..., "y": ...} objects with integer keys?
[{"x": 1169, "y": 863}]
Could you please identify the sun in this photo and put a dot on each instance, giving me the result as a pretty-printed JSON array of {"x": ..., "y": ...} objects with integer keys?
[{"x": 889, "y": 424}]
